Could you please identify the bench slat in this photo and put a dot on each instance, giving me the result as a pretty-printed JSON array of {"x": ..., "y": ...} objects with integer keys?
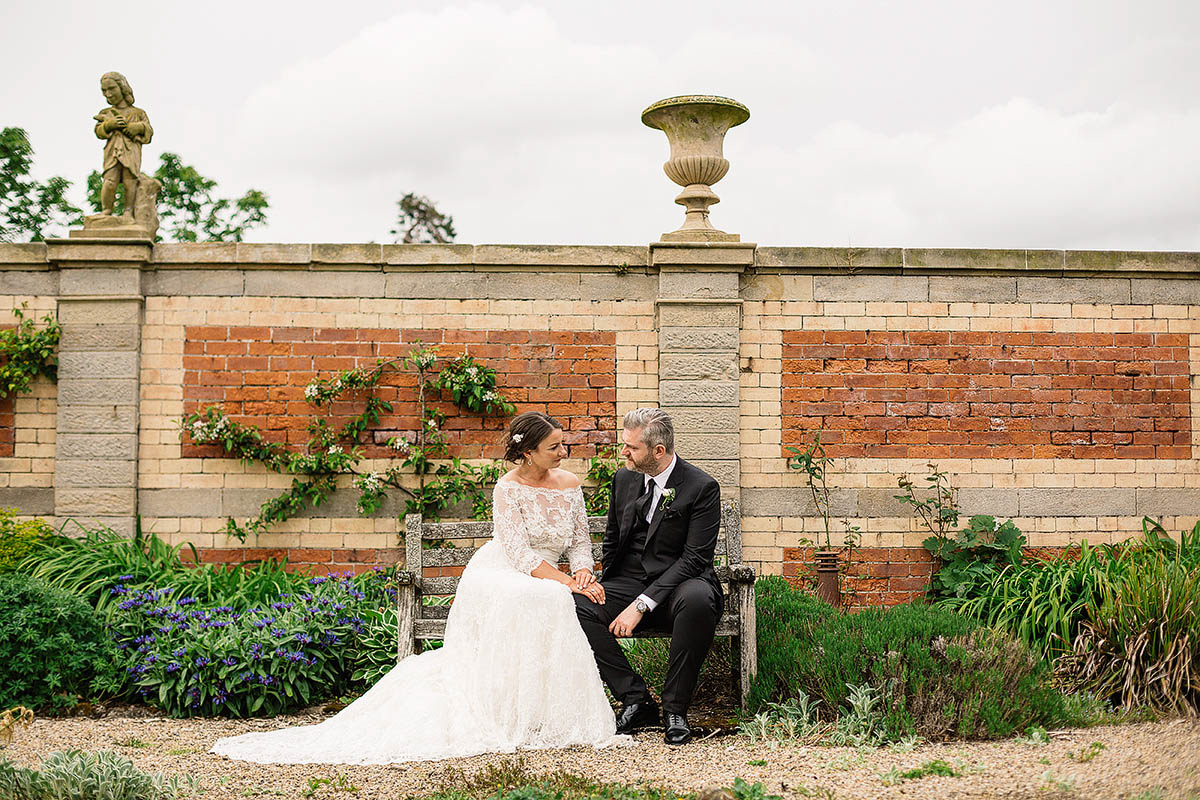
[
  {"x": 459, "y": 556},
  {"x": 436, "y": 628},
  {"x": 449, "y": 584}
]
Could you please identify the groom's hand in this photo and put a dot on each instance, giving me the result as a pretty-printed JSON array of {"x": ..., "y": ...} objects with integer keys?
[{"x": 628, "y": 619}]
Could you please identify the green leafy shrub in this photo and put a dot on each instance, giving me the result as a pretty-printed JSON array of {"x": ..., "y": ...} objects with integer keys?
[
  {"x": 17, "y": 539},
  {"x": 52, "y": 645},
  {"x": 649, "y": 658},
  {"x": 189, "y": 659},
  {"x": 92, "y": 564},
  {"x": 1043, "y": 602},
  {"x": 933, "y": 673},
  {"x": 785, "y": 619},
  {"x": 1140, "y": 643},
  {"x": 974, "y": 555},
  {"x": 76, "y": 775}
]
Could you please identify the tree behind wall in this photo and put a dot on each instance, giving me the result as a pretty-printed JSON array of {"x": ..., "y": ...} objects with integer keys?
[
  {"x": 419, "y": 221},
  {"x": 187, "y": 209},
  {"x": 29, "y": 208}
]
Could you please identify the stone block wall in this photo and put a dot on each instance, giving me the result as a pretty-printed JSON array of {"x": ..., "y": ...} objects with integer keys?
[{"x": 1059, "y": 389}]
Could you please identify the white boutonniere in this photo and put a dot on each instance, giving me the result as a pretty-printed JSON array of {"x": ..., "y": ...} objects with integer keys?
[{"x": 667, "y": 496}]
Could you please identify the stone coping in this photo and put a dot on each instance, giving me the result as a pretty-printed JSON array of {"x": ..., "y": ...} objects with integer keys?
[{"x": 828, "y": 260}]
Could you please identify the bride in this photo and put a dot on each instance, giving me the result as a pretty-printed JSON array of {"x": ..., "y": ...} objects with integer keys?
[{"x": 515, "y": 670}]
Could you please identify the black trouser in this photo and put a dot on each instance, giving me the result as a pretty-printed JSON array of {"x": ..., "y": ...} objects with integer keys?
[{"x": 690, "y": 614}]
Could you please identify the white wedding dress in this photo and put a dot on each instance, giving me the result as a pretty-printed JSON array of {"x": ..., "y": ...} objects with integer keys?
[{"x": 515, "y": 671}]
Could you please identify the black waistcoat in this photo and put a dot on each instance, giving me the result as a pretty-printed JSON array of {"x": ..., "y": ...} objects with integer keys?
[{"x": 631, "y": 562}]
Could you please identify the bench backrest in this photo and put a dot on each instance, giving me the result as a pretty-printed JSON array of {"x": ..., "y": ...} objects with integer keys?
[{"x": 464, "y": 536}]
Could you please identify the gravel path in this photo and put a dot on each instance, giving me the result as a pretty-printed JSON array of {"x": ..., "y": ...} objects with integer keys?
[{"x": 1144, "y": 760}]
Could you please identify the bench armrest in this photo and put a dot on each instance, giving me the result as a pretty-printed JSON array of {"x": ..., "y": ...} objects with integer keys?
[{"x": 741, "y": 573}]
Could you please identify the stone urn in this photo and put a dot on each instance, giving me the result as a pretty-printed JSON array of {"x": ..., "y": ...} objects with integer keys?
[{"x": 695, "y": 126}]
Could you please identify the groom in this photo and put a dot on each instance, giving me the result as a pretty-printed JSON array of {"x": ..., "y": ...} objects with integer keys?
[{"x": 658, "y": 573}]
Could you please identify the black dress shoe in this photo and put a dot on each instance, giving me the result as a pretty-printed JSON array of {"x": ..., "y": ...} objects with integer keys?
[
  {"x": 637, "y": 716},
  {"x": 677, "y": 730}
]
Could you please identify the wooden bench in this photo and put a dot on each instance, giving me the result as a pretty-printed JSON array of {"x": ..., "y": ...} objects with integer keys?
[{"x": 419, "y": 622}]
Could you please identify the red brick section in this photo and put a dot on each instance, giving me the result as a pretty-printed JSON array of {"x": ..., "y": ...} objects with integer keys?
[
  {"x": 883, "y": 576},
  {"x": 258, "y": 375},
  {"x": 872, "y": 576},
  {"x": 937, "y": 394}
]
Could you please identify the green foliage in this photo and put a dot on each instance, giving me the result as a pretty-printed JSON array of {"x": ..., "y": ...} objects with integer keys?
[
  {"x": 746, "y": 791},
  {"x": 76, "y": 775},
  {"x": 187, "y": 209},
  {"x": 419, "y": 221},
  {"x": 29, "y": 208},
  {"x": 338, "y": 783},
  {"x": 1139, "y": 644},
  {"x": 511, "y": 779},
  {"x": 18, "y": 539},
  {"x": 189, "y": 659},
  {"x": 974, "y": 556},
  {"x": 332, "y": 452},
  {"x": 936, "y": 504},
  {"x": 52, "y": 645},
  {"x": 601, "y": 469},
  {"x": 26, "y": 352},
  {"x": 90, "y": 565},
  {"x": 815, "y": 464},
  {"x": 785, "y": 621},
  {"x": 375, "y": 652},
  {"x": 1043, "y": 602},
  {"x": 886, "y": 674},
  {"x": 472, "y": 386},
  {"x": 649, "y": 657},
  {"x": 937, "y": 767},
  {"x": 793, "y": 720}
]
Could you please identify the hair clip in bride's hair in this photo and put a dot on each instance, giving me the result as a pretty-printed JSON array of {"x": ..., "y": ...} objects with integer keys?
[{"x": 517, "y": 437}]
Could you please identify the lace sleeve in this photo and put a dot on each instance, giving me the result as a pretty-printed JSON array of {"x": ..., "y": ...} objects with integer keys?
[
  {"x": 579, "y": 553},
  {"x": 511, "y": 531}
]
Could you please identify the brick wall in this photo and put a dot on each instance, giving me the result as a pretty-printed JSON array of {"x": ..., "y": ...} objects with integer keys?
[
  {"x": 1058, "y": 389},
  {"x": 27, "y": 426},
  {"x": 258, "y": 375},
  {"x": 870, "y": 576},
  {"x": 984, "y": 394}
]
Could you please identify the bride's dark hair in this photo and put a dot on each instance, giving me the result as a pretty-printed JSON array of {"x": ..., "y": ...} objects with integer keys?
[{"x": 526, "y": 432}]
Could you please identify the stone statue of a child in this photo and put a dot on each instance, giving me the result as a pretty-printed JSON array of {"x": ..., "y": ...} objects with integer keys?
[{"x": 126, "y": 129}]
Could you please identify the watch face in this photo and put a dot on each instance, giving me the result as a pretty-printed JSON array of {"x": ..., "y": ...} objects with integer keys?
[{"x": 641, "y": 606}]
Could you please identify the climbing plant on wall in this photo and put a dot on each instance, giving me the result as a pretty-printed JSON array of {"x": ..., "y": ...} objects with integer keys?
[
  {"x": 443, "y": 480},
  {"x": 27, "y": 351}
]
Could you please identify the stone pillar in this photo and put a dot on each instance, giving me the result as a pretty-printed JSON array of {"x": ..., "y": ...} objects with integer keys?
[
  {"x": 100, "y": 310},
  {"x": 699, "y": 331}
]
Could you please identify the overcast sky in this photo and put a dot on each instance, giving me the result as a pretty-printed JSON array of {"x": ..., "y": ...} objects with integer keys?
[{"x": 955, "y": 124}]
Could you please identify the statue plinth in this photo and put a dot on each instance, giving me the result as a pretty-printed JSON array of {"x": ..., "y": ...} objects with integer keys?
[
  {"x": 695, "y": 126},
  {"x": 106, "y": 226}
]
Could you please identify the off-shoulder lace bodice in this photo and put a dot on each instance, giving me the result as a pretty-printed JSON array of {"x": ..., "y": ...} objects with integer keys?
[{"x": 535, "y": 524}]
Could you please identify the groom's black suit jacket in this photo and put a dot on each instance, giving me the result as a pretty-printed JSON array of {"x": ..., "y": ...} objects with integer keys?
[{"x": 682, "y": 536}]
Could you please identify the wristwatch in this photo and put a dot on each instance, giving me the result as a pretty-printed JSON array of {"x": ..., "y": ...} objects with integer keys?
[{"x": 641, "y": 606}]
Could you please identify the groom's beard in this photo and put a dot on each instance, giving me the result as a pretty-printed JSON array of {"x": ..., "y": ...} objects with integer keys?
[{"x": 647, "y": 466}]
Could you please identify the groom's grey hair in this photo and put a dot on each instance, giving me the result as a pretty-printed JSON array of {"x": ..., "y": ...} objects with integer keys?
[{"x": 656, "y": 427}]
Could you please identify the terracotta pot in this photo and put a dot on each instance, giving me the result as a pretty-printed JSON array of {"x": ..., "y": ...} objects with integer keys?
[{"x": 827, "y": 577}]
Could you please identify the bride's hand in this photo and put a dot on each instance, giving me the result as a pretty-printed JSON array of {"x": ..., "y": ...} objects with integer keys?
[{"x": 591, "y": 590}]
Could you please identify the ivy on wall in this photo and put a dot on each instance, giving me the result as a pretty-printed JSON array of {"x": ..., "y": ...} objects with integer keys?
[
  {"x": 442, "y": 480},
  {"x": 27, "y": 351}
]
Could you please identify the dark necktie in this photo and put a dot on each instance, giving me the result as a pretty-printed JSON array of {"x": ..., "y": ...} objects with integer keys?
[{"x": 643, "y": 501}]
